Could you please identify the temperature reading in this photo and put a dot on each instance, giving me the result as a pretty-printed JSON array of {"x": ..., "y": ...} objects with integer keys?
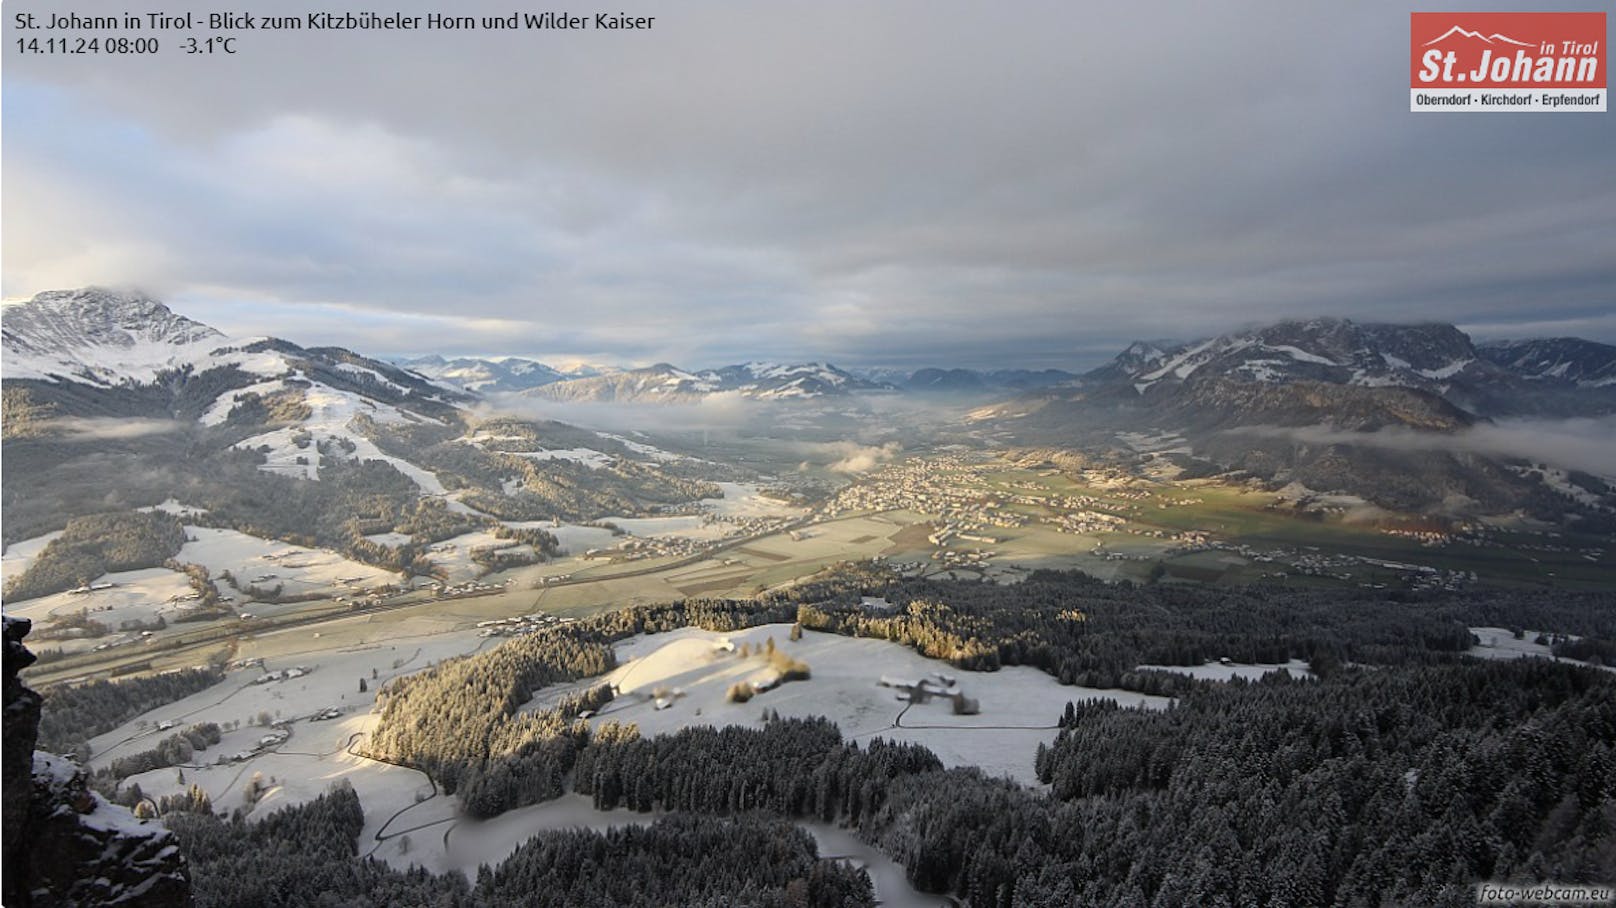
[{"x": 215, "y": 45}]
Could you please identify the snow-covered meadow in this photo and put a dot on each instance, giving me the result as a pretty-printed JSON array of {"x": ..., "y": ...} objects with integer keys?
[
  {"x": 407, "y": 822},
  {"x": 1019, "y": 706},
  {"x": 268, "y": 563}
]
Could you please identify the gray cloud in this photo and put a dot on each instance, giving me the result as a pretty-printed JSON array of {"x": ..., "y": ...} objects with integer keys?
[
  {"x": 713, "y": 412},
  {"x": 1574, "y": 444},
  {"x": 902, "y": 183},
  {"x": 103, "y": 429}
]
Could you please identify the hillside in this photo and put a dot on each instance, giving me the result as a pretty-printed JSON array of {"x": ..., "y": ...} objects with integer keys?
[{"x": 1387, "y": 412}]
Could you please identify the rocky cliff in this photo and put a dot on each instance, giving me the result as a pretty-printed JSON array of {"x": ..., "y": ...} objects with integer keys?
[{"x": 64, "y": 844}]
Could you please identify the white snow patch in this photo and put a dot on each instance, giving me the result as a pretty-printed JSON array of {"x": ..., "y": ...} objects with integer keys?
[
  {"x": 1448, "y": 371},
  {"x": 587, "y": 456},
  {"x": 1020, "y": 706},
  {"x": 141, "y": 595},
  {"x": 332, "y": 412},
  {"x": 574, "y": 539},
  {"x": 297, "y": 569},
  {"x": 175, "y": 507},
  {"x": 218, "y": 411},
  {"x": 19, "y": 555},
  {"x": 650, "y": 451},
  {"x": 1300, "y": 355}
]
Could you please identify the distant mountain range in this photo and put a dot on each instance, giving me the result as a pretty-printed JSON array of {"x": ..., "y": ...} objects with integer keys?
[
  {"x": 493, "y": 375},
  {"x": 1230, "y": 402},
  {"x": 111, "y": 400},
  {"x": 1556, "y": 360},
  {"x": 666, "y": 383},
  {"x": 108, "y": 339},
  {"x": 1380, "y": 411},
  {"x": 1563, "y": 376}
]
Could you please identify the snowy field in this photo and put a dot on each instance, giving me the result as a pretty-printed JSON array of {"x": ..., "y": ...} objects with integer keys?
[
  {"x": 135, "y": 596},
  {"x": 454, "y": 554},
  {"x": 575, "y": 540},
  {"x": 689, "y": 527},
  {"x": 298, "y": 569},
  {"x": 471, "y": 844},
  {"x": 408, "y": 823},
  {"x": 1500, "y": 643},
  {"x": 1019, "y": 705},
  {"x": 587, "y": 456},
  {"x": 315, "y": 754},
  {"x": 645, "y": 450},
  {"x": 741, "y": 499},
  {"x": 19, "y": 555},
  {"x": 1217, "y": 671}
]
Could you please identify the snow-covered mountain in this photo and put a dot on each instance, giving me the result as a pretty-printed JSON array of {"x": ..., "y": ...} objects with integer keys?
[
  {"x": 100, "y": 337},
  {"x": 1526, "y": 378},
  {"x": 480, "y": 375},
  {"x": 1556, "y": 360},
  {"x": 1306, "y": 401},
  {"x": 665, "y": 383},
  {"x": 1337, "y": 351},
  {"x": 775, "y": 381},
  {"x": 99, "y": 354}
]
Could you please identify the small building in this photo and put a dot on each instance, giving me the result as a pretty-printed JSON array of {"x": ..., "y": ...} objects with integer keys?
[{"x": 877, "y": 605}]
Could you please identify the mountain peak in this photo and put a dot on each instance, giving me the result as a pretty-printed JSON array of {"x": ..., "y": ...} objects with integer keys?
[
  {"x": 1426, "y": 356},
  {"x": 96, "y": 334}
]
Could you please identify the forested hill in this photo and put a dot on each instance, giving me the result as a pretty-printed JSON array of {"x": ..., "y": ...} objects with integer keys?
[{"x": 1404, "y": 773}]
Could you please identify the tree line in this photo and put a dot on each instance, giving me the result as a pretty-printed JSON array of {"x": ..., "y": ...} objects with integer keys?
[
  {"x": 72, "y": 714},
  {"x": 307, "y": 856},
  {"x": 97, "y": 544}
]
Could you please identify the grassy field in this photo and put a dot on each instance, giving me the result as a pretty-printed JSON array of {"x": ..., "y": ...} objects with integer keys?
[{"x": 1261, "y": 520}]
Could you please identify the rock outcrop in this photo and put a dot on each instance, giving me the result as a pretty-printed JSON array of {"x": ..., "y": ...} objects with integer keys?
[{"x": 65, "y": 845}]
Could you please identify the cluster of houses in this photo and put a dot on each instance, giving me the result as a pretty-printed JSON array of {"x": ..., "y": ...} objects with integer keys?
[
  {"x": 738, "y": 525},
  {"x": 520, "y": 625},
  {"x": 468, "y": 588},
  {"x": 635, "y": 548},
  {"x": 959, "y": 558},
  {"x": 1104, "y": 554},
  {"x": 939, "y": 485},
  {"x": 1086, "y": 522},
  {"x": 1481, "y": 535}
]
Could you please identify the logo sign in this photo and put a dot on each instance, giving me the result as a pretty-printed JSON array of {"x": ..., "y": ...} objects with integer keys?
[{"x": 1488, "y": 62}]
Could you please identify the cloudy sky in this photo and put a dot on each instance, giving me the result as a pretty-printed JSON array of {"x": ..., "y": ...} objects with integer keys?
[{"x": 887, "y": 183}]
